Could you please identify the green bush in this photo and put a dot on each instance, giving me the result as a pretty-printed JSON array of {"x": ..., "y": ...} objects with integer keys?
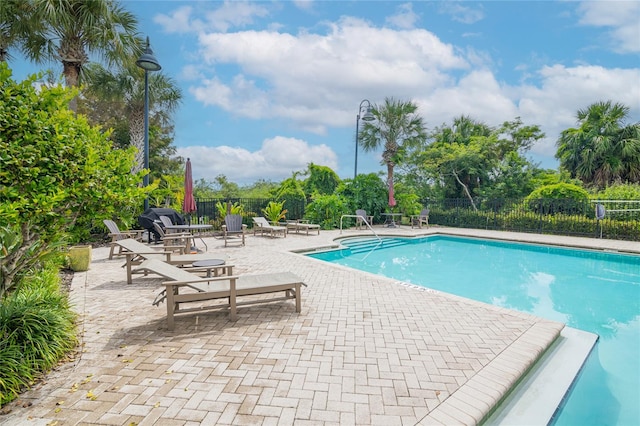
[
  {"x": 326, "y": 210},
  {"x": 546, "y": 199},
  {"x": 59, "y": 178},
  {"x": 37, "y": 329}
]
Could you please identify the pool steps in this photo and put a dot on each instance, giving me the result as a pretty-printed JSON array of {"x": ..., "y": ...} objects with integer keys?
[{"x": 364, "y": 245}]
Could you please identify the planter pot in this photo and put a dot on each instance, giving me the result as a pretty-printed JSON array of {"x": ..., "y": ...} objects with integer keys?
[{"x": 79, "y": 258}]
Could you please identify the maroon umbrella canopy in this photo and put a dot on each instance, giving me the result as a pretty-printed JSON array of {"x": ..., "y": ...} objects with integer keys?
[{"x": 189, "y": 203}]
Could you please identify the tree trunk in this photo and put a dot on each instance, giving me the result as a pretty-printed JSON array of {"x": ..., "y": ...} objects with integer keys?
[
  {"x": 136, "y": 137},
  {"x": 466, "y": 190},
  {"x": 71, "y": 71}
]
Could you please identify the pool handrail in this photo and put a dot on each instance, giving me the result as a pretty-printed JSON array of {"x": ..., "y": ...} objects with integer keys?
[{"x": 364, "y": 220}]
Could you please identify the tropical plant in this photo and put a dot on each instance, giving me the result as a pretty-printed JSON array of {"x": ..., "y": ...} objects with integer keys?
[
  {"x": 235, "y": 208},
  {"x": 398, "y": 128},
  {"x": 60, "y": 177},
  {"x": 72, "y": 31},
  {"x": 126, "y": 86},
  {"x": 320, "y": 180},
  {"x": 367, "y": 192},
  {"x": 15, "y": 26},
  {"x": 290, "y": 191},
  {"x": 602, "y": 149},
  {"x": 326, "y": 210},
  {"x": 275, "y": 212}
]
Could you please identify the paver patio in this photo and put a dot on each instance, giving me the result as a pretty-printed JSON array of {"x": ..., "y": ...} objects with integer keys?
[{"x": 366, "y": 350}]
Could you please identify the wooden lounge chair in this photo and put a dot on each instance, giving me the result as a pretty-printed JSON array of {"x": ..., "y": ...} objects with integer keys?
[
  {"x": 176, "y": 241},
  {"x": 137, "y": 252},
  {"x": 302, "y": 225},
  {"x": 363, "y": 218},
  {"x": 116, "y": 235},
  {"x": 184, "y": 287},
  {"x": 420, "y": 219},
  {"x": 263, "y": 226},
  {"x": 233, "y": 227}
]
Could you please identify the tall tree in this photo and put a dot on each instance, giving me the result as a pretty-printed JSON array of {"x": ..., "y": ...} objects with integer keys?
[
  {"x": 602, "y": 149},
  {"x": 16, "y": 24},
  {"x": 470, "y": 158},
  {"x": 125, "y": 88},
  {"x": 74, "y": 30},
  {"x": 397, "y": 128}
]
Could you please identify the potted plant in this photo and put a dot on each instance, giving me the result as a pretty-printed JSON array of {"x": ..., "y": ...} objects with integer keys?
[
  {"x": 79, "y": 258},
  {"x": 275, "y": 212}
]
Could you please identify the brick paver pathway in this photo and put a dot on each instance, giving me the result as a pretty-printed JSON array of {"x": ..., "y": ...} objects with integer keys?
[{"x": 366, "y": 350}]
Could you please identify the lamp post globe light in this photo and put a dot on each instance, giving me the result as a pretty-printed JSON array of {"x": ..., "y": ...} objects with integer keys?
[
  {"x": 147, "y": 62},
  {"x": 368, "y": 116}
]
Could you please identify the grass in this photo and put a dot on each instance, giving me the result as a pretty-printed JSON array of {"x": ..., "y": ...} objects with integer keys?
[{"x": 37, "y": 330}]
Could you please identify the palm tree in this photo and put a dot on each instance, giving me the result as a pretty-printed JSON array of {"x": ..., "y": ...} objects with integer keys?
[
  {"x": 74, "y": 30},
  {"x": 126, "y": 87},
  {"x": 602, "y": 149},
  {"x": 15, "y": 26},
  {"x": 397, "y": 127}
]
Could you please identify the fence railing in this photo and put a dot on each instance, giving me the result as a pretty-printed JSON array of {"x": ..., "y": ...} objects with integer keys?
[{"x": 543, "y": 216}]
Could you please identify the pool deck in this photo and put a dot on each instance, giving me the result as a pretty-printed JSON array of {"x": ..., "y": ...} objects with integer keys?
[{"x": 365, "y": 350}]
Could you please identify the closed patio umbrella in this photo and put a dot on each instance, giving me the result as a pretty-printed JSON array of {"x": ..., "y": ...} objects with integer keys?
[{"x": 189, "y": 202}]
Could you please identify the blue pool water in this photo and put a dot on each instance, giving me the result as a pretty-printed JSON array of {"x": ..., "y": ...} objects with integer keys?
[{"x": 589, "y": 290}]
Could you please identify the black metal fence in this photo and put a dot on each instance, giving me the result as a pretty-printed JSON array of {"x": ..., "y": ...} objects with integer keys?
[
  {"x": 543, "y": 216},
  {"x": 208, "y": 212}
]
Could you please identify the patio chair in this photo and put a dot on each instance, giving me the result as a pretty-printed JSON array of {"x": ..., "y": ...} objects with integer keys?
[
  {"x": 363, "y": 218},
  {"x": 233, "y": 227},
  {"x": 419, "y": 219},
  {"x": 137, "y": 252},
  {"x": 263, "y": 226},
  {"x": 166, "y": 221},
  {"x": 116, "y": 234},
  {"x": 176, "y": 241},
  {"x": 184, "y": 287}
]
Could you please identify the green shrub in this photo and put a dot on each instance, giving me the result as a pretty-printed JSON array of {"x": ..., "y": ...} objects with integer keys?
[
  {"x": 275, "y": 212},
  {"x": 559, "y": 198},
  {"x": 59, "y": 178},
  {"x": 326, "y": 210},
  {"x": 37, "y": 329}
]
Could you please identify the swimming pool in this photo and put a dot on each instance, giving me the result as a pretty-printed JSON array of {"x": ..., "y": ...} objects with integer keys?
[{"x": 590, "y": 290}]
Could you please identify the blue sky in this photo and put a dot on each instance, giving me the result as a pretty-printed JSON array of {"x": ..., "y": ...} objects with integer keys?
[{"x": 270, "y": 86}]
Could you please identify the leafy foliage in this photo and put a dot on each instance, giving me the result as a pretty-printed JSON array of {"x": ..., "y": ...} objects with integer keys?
[
  {"x": 275, "y": 212},
  {"x": 367, "y": 192},
  {"x": 60, "y": 177},
  {"x": 602, "y": 150},
  {"x": 291, "y": 192},
  {"x": 542, "y": 200},
  {"x": 37, "y": 328},
  {"x": 322, "y": 180},
  {"x": 326, "y": 210}
]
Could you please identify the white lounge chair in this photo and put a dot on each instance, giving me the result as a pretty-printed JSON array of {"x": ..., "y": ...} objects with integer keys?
[
  {"x": 184, "y": 287},
  {"x": 136, "y": 253},
  {"x": 302, "y": 225},
  {"x": 263, "y": 226}
]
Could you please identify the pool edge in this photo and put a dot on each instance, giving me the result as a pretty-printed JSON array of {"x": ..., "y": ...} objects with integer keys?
[{"x": 536, "y": 398}]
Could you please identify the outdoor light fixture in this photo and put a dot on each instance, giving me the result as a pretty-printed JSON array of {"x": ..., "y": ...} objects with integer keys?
[
  {"x": 368, "y": 116},
  {"x": 147, "y": 62}
]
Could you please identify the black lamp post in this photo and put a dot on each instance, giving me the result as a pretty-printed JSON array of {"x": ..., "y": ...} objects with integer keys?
[
  {"x": 368, "y": 116},
  {"x": 147, "y": 62}
]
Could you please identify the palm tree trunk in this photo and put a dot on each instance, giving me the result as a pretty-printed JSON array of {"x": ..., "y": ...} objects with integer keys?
[{"x": 136, "y": 137}]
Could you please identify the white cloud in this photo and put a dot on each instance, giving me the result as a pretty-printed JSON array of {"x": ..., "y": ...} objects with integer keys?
[
  {"x": 275, "y": 160},
  {"x": 623, "y": 17},
  {"x": 460, "y": 13},
  {"x": 406, "y": 18}
]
